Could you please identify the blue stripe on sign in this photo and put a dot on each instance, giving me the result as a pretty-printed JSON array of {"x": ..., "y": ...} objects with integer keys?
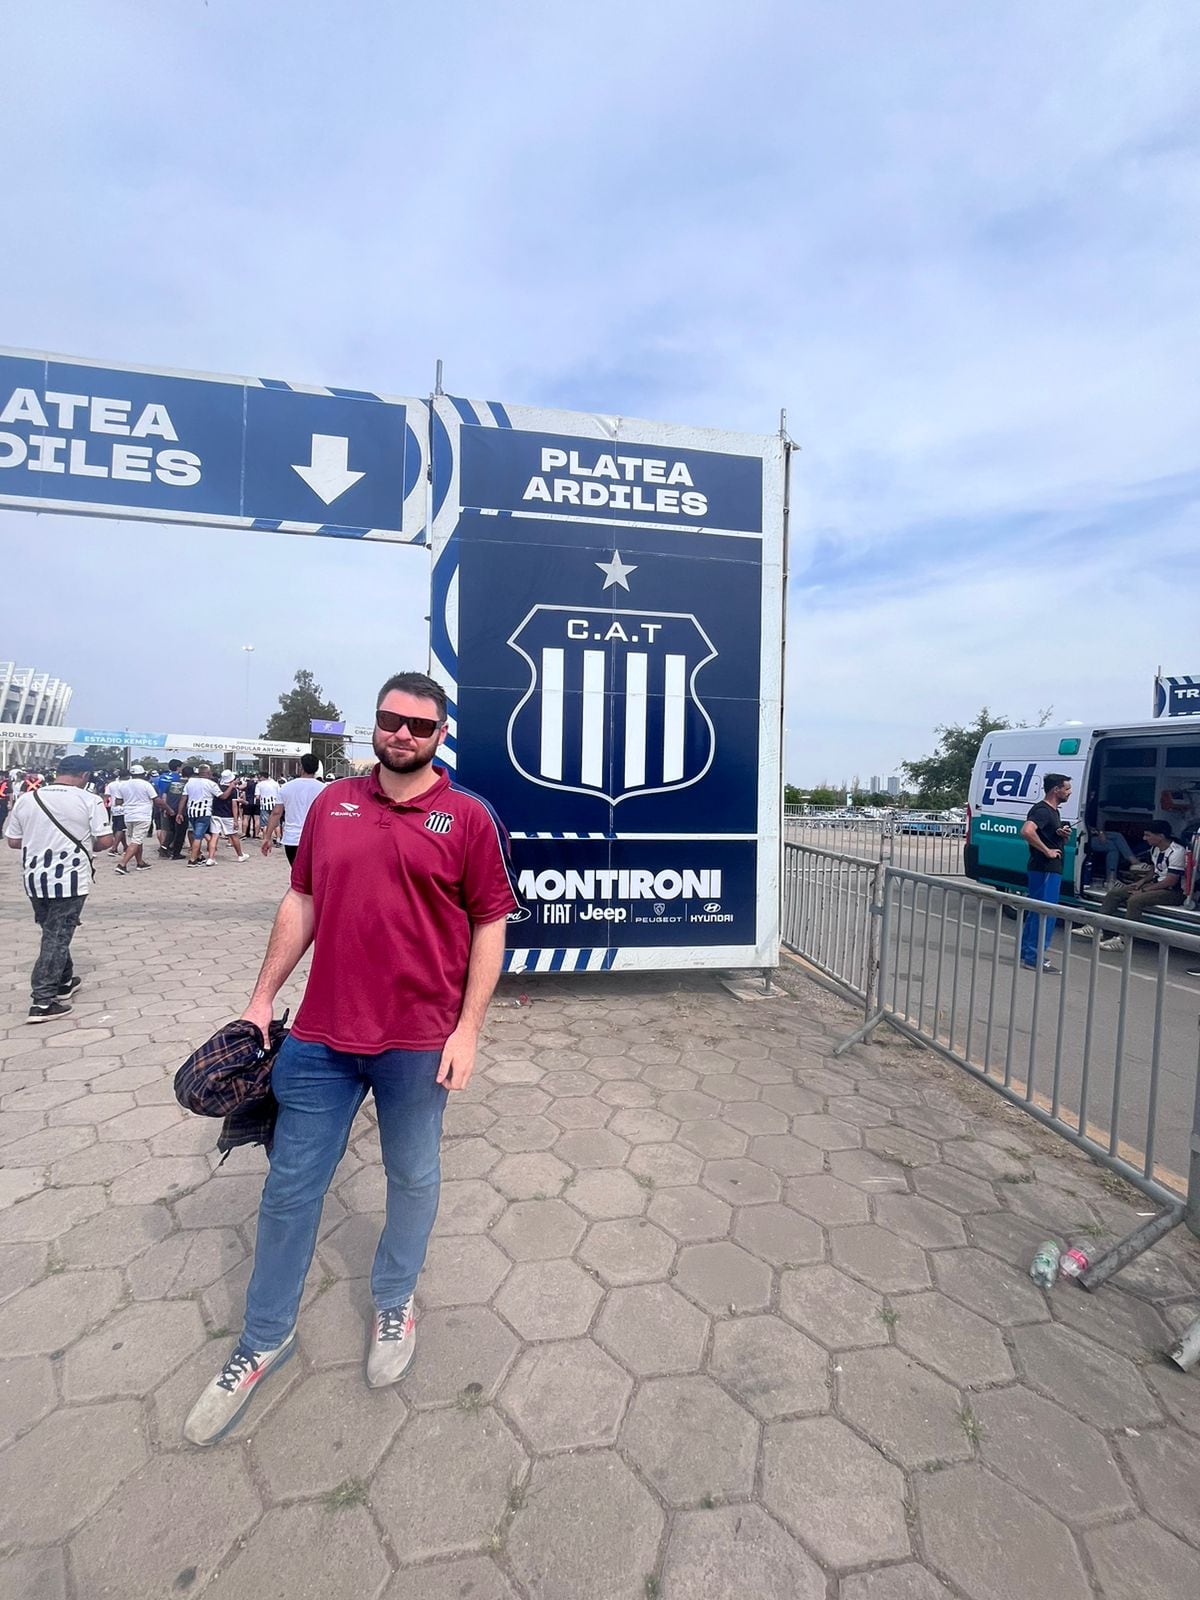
[
  {"x": 500, "y": 414},
  {"x": 275, "y": 383},
  {"x": 265, "y": 524},
  {"x": 508, "y": 959},
  {"x": 464, "y": 411},
  {"x": 557, "y": 959},
  {"x": 609, "y": 957},
  {"x": 581, "y": 960},
  {"x": 354, "y": 394},
  {"x": 334, "y": 530}
]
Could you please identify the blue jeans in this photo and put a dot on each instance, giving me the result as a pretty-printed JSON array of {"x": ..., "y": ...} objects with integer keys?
[
  {"x": 1042, "y": 886},
  {"x": 1115, "y": 848},
  {"x": 319, "y": 1091}
]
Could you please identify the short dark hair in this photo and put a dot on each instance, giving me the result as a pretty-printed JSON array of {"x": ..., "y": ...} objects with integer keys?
[
  {"x": 175, "y": 765},
  {"x": 1052, "y": 781},
  {"x": 188, "y": 772},
  {"x": 309, "y": 763},
  {"x": 1160, "y": 825},
  {"x": 415, "y": 683}
]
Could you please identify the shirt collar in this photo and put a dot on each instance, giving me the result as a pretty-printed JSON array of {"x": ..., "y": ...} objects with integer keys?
[{"x": 420, "y": 802}]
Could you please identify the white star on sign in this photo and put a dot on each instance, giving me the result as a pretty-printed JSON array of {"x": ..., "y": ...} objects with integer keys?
[{"x": 616, "y": 571}]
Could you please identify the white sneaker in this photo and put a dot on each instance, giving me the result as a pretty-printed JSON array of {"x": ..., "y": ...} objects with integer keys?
[
  {"x": 231, "y": 1391},
  {"x": 1084, "y": 931},
  {"x": 393, "y": 1340},
  {"x": 242, "y": 857},
  {"x": 210, "y": 861},
  {"x": 1117, "y": 942}
]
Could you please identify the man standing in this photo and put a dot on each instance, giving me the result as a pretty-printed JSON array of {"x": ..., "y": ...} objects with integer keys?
[
  {"x": 137, "y": 805},
  {"x": 198, "y": 796},
  {"x": 401, "y": 885},
  {"x": 49, "y": 826},
  {"x": 112, "y": 794},
  {"x": 175, "y": 810},
  {"x": 1168, "y": 861},
  {"x": 295, "y": 798},
  {"x": 1046, "y": 834},
  {"x": 224, "y": 823},
  {"x": 266, "y": 793}
]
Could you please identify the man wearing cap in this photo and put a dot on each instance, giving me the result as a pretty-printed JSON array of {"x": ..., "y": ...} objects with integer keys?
[
  {"x": 401, "y": 885},
  {"x": 52, "y": 827},
  {"x": 224, "y": 825},
  {"x": 137, "y": 803}
]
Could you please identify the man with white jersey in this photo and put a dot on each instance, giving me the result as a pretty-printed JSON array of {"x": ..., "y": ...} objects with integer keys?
[
  {"x": 137, "y": 803},
  {"x": 291, "y": 808},
  {"x": 52, "y": 827},
  {"x": 267, "y": 794},
  {"x": 197, "y": 806}
]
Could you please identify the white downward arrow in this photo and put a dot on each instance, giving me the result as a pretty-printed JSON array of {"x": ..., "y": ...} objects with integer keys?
[{"x": 328, "y": 473}]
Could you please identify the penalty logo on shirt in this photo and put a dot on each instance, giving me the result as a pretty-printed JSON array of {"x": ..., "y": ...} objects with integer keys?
[{"x": 439, "y": 821}]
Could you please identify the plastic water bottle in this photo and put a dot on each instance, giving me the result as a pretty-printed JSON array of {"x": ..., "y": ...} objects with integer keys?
[
  {"x": 1075, "y": 1262},
  {"x": 1044, "y": 1267}
]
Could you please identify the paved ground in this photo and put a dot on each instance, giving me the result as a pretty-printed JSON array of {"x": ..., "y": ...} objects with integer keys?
[{"x": 706, "y": 1314}]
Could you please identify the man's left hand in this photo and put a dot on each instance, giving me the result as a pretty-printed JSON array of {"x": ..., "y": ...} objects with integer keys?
[{"x": 458, "y": 1059}]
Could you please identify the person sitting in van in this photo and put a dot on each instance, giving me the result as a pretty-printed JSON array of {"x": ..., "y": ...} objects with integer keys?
[
  {"x": 1168, "y": 861},
  {"x": 1108, "y": 843}
]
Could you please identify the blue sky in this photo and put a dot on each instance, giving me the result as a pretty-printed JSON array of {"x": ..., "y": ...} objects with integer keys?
[{"x": 958, "y": 243}]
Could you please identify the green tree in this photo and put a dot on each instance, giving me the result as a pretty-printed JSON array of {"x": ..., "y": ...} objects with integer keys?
[
  {"x": 303, "y": 703},
  {"x": 105, "y": 757},
  {"x": 944, "y": 778}
]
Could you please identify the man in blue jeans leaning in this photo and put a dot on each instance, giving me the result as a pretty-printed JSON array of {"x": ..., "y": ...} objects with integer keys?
[
  {"x": 401, "y": 884},
  {"x": 1046, "y": 834}
]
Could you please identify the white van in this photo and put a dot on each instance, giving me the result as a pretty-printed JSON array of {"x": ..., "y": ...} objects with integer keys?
[{"x": 1122, "y": 777}]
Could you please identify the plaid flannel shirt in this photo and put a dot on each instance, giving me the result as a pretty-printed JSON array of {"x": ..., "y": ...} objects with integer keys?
[{"x": 229, "y": 1076}]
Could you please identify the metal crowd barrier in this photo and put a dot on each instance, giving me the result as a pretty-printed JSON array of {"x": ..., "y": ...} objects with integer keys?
[
  {"x": 1096, "y": 1052},
  {"x": 919, "y": 840}
]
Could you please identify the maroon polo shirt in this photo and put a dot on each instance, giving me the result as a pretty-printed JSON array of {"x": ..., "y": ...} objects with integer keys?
[{"x": 396, "y": 888}]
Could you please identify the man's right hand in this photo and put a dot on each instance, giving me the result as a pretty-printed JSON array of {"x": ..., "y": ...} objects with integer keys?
[
  {"x": 260, "y": 1013},
  {"x": 1053, "y": 855}
]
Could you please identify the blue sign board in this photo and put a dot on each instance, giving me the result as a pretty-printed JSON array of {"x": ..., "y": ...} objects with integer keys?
[
  {"x": 234, "y": 452},
  {"x": 1177, "y": 697},
  {"x": 606, "y": 617}
]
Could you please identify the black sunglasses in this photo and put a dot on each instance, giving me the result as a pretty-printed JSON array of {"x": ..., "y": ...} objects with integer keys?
[{"x": 419, "y": 727}]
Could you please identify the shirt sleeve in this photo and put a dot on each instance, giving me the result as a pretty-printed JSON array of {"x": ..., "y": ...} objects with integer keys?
[
  {"x": 98, "y": 817},
  {"x": 488, "y": 882},
  {"x": 1176, "y": 858},
  {"x": 12, "y": 828},
  {"x": 302, "y": 867}
]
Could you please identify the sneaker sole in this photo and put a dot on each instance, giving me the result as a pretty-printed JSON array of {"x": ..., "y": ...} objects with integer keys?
[
  {"x": 33, "y": 1021},
  {"x": 203, "y": 1444},
  {"x": 386, "y": 1383}
]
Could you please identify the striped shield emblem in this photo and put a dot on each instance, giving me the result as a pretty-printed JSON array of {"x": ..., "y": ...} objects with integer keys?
[{"x": 611, "y": 708}]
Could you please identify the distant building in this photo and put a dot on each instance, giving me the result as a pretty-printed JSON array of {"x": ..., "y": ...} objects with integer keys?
[
  {"x": 876, "y": 786},
  {"x": 893, "y": 786},
  {"x": 28, "y": 700}
]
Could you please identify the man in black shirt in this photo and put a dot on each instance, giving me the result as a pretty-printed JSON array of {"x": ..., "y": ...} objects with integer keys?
[{"x": 1046, "y": 834}]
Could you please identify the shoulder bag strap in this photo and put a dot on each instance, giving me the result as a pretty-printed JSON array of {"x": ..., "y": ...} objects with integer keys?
[{"x": 66, "y": 832}]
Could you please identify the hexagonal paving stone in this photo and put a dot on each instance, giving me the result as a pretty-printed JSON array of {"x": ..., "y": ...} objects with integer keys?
[
  {"x": 1165, "y": 1465},
  {"x": 162, "y": 1178},
  {"x": 668, "y": 1417},
  {"x": 723, "y": 1275},
  {"x": 549, "y": 1299},
  {"x": 1050, "y": 1454},
  {"x": 303, "y": 1551},
  {"x": 951, "y": 1340},
  {"x": 627, "y": 1094},
  {"x": 468, "y": 1578},
  {"x": 538, "y": 1230},
  {"x": 792, "y": 1099},
  {"x": 366, "y": 1190},
  {"x": 472, "y": 1449},
  {"x": 905, "y": 1582},
  {"x": 27, "y": 1393},
  {"x": 710, "y": 1138},
  {"x": 629, "y": 1250},
  {"x": 653, "y": 1330},
  {"x": 779, "y": 1235},
  {"x": 881, "y": 1259},
  {"x": 1096, "y": 1385},
  {"x": 603, "y": 1195},
  {"x": 570, "y": 1082},
  {"x": 48, "y": 1315},
  {"x": 167, "y": 1528},
  {"x": 461, "y": 1271},
  {"x": 35, "y": 1575},
  {"x": 578, "y": 1112},
  {"x": 332, "y": 1427},
  {"x": 530, "y": 1177},
  {"x": 220, "y": 1202},
  {"x": 592, "y": 1147},
  {"x": 989, "y": 1538},
  {"x": 1122, "y": 1322},
  {"x": 909, "y": 1413},
  {"x": 50, "y": 1214},
  {"x": 472, "y": 1157},
  {"x": 728, "y": 1086},
  {"x": 984, "y": 1160},
  {"x": 770, "y": 1367},
  {"x": 643, "y": 1126},
  {"x": 827, "y": 1133},
  {"x": 1138, "y": 1561},
  {"x": 461, "y": 1350},
  {"x": 665, "y": 1165},
  {"x": 785, "y": 1155},
  {"x": 688, "y": 1106},
  {"x": 115, "y": 1237},
  {"x": 985, "y": 1285},
  {"x": 467, "y": 1206},
  {"x": 689, "y": 1213},
  {"x": 66, "y": 1467},
  {"x": 741, "y": 1182},
  {"x": 587, "y": 1528},
  {"x": 514, "y": 1134},
  {"x": 826, "y": 1200},
  {"x": 753, "y": 1117},
  {"x": 921, "y": 1221},
  {"x": 836, "y": 1310},
  {"x": 566, "y": 1395},
  {"x": 134, "y": 1351},
  {"x": 902, "y": 1145},
  {"x": 833, "y": 1490},
  {"x": 874, "y": 1174},
  {"x": 732, "y": 1550},
  {"x": 349, "y": 1249},
  {"x": 525, "y": 1102}
]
